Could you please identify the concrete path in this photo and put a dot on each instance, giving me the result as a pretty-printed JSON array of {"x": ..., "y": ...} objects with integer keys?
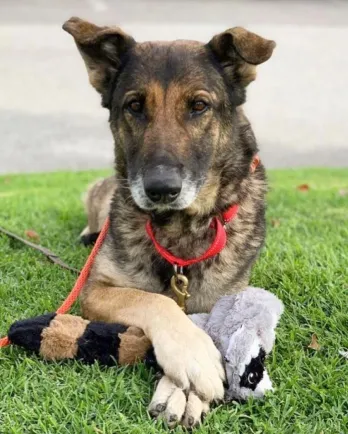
[{"x": 50, "y": 118}]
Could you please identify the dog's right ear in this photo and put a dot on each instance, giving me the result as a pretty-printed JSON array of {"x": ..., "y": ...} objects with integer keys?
[{"x": 102, "y": 49}]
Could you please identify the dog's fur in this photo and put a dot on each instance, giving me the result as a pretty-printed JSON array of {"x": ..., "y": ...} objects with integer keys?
[
  {"x": 212, "y": 150},
  {"x": 97, "y": 202}
]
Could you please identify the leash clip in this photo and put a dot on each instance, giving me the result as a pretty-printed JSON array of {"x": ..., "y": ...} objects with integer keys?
[{"x": 179, "y": 284}]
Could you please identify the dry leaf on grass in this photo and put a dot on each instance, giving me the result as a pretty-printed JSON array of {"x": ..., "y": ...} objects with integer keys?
[
  {"x": 343, "y": 192},
  {"x": 343, "y": 354},
  {"x": 303, "y": 187},
  {"x": 29, "y": 233},
  {"x": 314, "y": 345},
  {"x": 275, "y": 223}
]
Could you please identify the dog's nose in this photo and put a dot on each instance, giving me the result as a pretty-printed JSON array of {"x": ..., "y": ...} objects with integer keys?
[{"x": 162, "y": 184}]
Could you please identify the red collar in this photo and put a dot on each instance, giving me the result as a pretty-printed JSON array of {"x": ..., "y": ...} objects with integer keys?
[
  {"x": 215, "y": 248},
  {"x": 220, "y": 236}
]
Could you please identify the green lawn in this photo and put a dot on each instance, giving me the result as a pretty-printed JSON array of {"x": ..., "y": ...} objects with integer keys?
[{"x": 305, "y": 262}]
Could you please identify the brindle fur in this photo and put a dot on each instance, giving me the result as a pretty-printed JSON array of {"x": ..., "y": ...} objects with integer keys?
[{"x": 217, "y": 150}]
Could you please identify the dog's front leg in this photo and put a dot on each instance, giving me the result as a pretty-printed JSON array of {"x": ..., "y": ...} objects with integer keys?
[{"x": 186, "y": 354}]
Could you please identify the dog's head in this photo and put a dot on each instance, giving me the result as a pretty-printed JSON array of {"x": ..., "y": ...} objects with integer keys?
[{"x": 172, "y": 106}]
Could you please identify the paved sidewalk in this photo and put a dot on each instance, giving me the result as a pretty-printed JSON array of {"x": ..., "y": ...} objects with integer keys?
[{"x": 50, "y": 118}]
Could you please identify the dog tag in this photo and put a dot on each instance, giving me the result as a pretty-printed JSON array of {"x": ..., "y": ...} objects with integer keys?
[{"x": 179, "y": 284}]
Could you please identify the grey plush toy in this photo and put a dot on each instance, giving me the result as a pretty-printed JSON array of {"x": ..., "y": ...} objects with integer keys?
[{"x": 242, "y": 327}]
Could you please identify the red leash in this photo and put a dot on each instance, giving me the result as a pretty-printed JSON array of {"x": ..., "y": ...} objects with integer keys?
[{"x": 81, "y": 280}]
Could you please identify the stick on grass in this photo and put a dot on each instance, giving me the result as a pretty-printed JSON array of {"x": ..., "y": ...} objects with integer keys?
[{"x": 50, "y": 255}]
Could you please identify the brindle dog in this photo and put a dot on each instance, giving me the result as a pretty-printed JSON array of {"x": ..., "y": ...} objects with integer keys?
[{"x": 183, "y": 150}]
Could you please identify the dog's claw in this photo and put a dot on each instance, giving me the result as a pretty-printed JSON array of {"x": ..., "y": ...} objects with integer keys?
[
  {"x": 176, "y": 406},
  {"x": 161, "y": 407}
]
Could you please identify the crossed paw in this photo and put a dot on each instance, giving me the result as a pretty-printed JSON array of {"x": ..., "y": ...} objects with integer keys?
[{"x": 174, "y": 406}]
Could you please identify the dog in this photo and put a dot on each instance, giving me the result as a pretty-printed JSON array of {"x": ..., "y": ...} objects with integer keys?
[{"x": 184, "y": 154}]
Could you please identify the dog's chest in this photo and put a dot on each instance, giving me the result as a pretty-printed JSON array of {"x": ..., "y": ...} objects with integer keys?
[
  {"x": 208, "y": 281},
  {"x": 137, "y": 258}
]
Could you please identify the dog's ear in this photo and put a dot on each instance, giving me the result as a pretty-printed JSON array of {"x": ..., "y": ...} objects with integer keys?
[
  {"x": 239, "y": 51},
  {"x": 102, "y": 49}
]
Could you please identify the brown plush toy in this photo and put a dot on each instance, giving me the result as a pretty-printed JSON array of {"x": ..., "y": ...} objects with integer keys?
[{"x": 57, "y": 337}]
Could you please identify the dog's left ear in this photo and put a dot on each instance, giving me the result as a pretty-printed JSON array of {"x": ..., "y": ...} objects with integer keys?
[
  {"x": 239, "y": 51},
  {"x": 102, "y": 49}
]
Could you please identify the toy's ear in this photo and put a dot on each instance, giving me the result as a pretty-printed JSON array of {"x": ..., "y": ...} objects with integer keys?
[
  {"x": 241, "y": 347},
  {"x": 267, "y": 338},
  {"x": 239, "y": 51},
  {"x": 102, "y": 49},
  {"x": 239, "y": 343},
  {"x": 266, "y": 330}
]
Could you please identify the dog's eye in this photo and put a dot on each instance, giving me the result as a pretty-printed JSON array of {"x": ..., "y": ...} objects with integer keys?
[
  {"x": 199, "y": 107},
  {"x": 135, "y": 106}
]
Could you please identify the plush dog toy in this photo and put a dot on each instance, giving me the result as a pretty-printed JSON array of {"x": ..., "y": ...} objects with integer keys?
[{"x": 242, "y": 327}]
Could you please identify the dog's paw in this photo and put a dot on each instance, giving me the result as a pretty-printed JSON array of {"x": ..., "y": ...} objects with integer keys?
[
  {"x": 171, "y": 404},
  {"x": 89, "y": 239},
  {"x": 190, "y": 359}
]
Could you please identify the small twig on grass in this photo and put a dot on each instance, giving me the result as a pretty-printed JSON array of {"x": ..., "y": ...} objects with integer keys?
[{"x": 50, "y": 255}]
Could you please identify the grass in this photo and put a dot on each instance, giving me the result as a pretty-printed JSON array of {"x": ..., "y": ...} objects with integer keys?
[{"x": 305, "y": 262}]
